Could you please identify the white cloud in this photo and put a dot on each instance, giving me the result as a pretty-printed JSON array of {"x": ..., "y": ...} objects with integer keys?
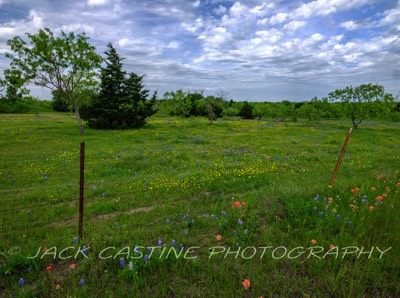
[
  {"x": 36, "y": 19},
  {"x": 97, "y": 2},
  {"x": 294, "y": 26},
  {"x": 220, "y": 10},
  {"x": 350, "y": 25},
  {"x": 278, "y": 18}
]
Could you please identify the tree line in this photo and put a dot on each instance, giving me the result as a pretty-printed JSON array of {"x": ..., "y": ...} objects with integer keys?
[{"x": 102, "y": 93}]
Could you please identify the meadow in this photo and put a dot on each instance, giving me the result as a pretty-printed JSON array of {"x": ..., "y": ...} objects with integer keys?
[{"x": 185, "y": 208}]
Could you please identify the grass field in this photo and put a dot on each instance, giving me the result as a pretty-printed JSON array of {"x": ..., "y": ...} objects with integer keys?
[{"x": 184, "y": 208}]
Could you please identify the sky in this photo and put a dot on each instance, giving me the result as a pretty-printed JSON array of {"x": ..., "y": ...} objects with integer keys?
[{"x": 252, "y": 50}]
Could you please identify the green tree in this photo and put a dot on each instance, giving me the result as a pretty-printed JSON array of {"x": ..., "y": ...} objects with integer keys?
[
  {"x": 180, "y": 103},
  {"x": 246, "y": 112},
  {"x": 122, "y": 100},
  {"x": 58, "y": 63},
  {"x": 360, "y": 102}
]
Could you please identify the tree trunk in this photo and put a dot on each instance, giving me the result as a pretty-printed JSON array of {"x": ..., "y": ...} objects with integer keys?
[{"x": 78, "y": 118}]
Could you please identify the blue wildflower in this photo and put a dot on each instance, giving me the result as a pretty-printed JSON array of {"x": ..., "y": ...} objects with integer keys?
[
  {"x": 316, "y": 198},
  {"x": 245, "y": 232},
  {"x": 21, "y": 282},
  {"x": 29, "y": 212},
  {"x": 122, "y": 262},
  {"x": 146, "y": 258},
  {"x": 81, "y": 282},
  {"x": 75, "y": 240},
  {"x": 337, "y": 217},
  {"x": 167, "y": 221},
  {"x": 173, "y": 243},
  {"x": 315, "y": 209},
  {"x": 234, "y": 232},
  {"x": 223, "y": 213},
  {"x": 185, "y": 233},
  {"x": 136, "y": 250},
  {"x": 180, "y": 247},
  {"x": 84, "y": 249},
  {"x": 240, "y": 222},
  {"x": 212, "y": 216},
  {"x": 320, "y": 214},
  {"x": 159, "y": 242}
]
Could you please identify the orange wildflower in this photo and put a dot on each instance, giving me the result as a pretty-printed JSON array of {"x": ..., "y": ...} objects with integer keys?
[
  {"x": 384, "y": 195},
  {"x": 355, "y": 190},
  {"x": 332, "y": 246},
  {"x": 246, "y": 284},
  {"x": 48, "y": 268},
  {"x": 373, "y": 188},
  {"x": 243, "y": 203},
  {"x": 380, "y": 198},
  {"x": 71, "y": 266},
  {"x": 330, "y": 200},
  {"x": 237, "y": 204},
  {"x": 313, "y": 241},
  {"x": 218, "y": 237},
  {"x": 58, "y": 286},
  {"x": 371, "y": 208}
]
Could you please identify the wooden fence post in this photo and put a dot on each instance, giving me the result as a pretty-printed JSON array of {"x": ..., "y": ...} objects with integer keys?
[
  {"x": 81, "y": 187},
  {"x": 340, "y": 158}
]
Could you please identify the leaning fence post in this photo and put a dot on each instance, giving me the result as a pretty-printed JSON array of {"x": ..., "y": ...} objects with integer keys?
[
  {"x": 81, "y": 186},
  {"x": 340, "y": 158}
]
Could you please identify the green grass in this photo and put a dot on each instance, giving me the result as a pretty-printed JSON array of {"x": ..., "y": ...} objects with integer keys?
[{"x": 177, "y": 179}]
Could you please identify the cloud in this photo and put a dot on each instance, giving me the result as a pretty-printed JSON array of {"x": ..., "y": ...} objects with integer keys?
[
  {"x": 350, "y": 25},
  {"x": 97, "y": 2}
]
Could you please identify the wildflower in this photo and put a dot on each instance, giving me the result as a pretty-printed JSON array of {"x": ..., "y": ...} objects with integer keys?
[
  {"x": 373, "y": 188},
  {"x": 136, "y": 250},
  {"x": 246, "y": 284},
  {"x": 81, "y": 282},
  {"x": 122, "y": 262},
  {"x": 218, "y": 237},
  {"x": 58, "y": 286},
  {"x": 237, "y": 204},
  {"x": 337, "y": 217},
  {"x": 234, "y": 232},
  {"x": 167, "y": 221},
  {"x": 212, "y": 216},
  {"x": 240, "y": 222},
  {"x": 243, "y": 203},
  {"x": 75, "y": 240},
  {"x": 371, "y": 208},
  {"x": 313, "y": 241},
  {"x": 379, "y": 198},
  {"x": 84, "y": 250},
  {"x": 384, "y": 195},
  {"x": 351, "y": 205},
  {"x": 146, "y": 258},
  {"x": 159, "y": 242},
  {"x": 332, "y": 246},
  {"x": 315, "y": 209},
  {"x": 223, "y": 213},
  {"x": 316, "y": 198},
  {"x": 48, "y": 268},
  {"x": 130, "y": 265},
  {"x": 29, "y": 212},
  {"x": 185, "y": 233},
  {"x": 355, "y": 190},
  {"x": 330, "y": 200},
  {"x": 21, "y": 282},
  {"x": 245, "y": 232},
  {"x": 320, "y": 214},
  {"x": 180, "y": 247},
  {"x": 71, "y": 266}
]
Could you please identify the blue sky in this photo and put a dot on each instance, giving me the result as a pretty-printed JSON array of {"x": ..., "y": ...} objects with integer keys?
[{"x": 255, "y": 50}]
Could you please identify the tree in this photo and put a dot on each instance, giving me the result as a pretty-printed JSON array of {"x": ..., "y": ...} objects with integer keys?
[
  {"x": 122, "y": 100},
  {"x": 360, "y": 102},
  {"x": 15, "y": 99},
  {"x": 58, "y": 63},
  {"x": 246, "y": 112}
]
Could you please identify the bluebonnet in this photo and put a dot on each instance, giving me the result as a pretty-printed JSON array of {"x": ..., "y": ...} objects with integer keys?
[
  {"x": 185, "y": 233},
  {"x": 159, "y": 242},
  {"x": 122, "y": 262},
  {"x": 82, "y": 282},
  {"x": 245, "y": 232},
  {"x": 316, "y": 198},
  {"x": 146, "y": 258},
  {"x": 21, "y": 282},
  {"x": 212, "y": 216},
  {"x": 75, "y": 240},
  {"x": 240, "y": 222},
  {"x": 180, "y": 247},
  {"x": 223, "y": 213},
  {"x": 167, "y": 221},
  {"x": 173, "y": 243}
]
